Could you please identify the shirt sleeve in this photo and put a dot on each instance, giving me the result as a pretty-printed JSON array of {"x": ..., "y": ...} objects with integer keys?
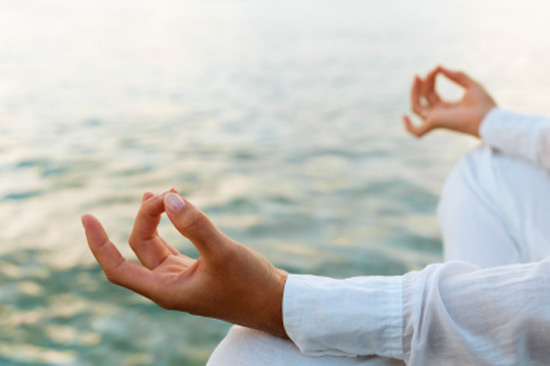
[
  {"x": 351, "y": 317},
  {"x": 521, "y": 135},
  {"x": 451, "y": 313}
]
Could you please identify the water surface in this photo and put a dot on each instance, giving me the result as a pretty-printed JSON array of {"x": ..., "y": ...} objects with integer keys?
[{"x": 280, "y": 119}]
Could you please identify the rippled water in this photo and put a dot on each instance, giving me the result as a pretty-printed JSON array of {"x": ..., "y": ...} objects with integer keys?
[{"x": 280, "y": 119}]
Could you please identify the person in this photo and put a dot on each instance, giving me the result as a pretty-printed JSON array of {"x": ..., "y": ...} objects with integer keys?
[{"x": 487, "y": 304}]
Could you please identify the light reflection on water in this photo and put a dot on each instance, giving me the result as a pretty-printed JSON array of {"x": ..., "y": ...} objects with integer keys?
[{"x": 279, "y": 119}]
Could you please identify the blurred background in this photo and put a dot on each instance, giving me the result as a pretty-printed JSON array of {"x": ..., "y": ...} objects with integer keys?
[{"x": 280, "y": 119}]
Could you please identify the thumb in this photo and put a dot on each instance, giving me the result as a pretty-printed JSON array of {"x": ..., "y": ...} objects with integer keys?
[{"x": 194, "y": 225}]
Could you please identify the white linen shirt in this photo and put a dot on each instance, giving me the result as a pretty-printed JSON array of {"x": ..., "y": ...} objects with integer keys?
[{"x": 453, "y": 313}]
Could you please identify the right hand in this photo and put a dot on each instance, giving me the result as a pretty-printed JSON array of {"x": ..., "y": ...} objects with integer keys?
[
  {"x": 229, "y": 281},
  {"x": 463, "y": 116}
]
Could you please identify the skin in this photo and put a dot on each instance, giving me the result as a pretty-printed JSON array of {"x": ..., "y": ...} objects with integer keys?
[
  {"x": 464, "y": 116},
  {"x": 229, "y": 281}
]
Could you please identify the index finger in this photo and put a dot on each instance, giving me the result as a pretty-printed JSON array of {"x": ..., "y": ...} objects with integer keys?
[
  {"x": 144, "y": 239},
  {"x": 117, "y": 269},
  {"x": 416, "y": 104},
  {"x": 457, "y": 76},
  {"x": 148, "y": 217},
  {"x": 428, "y": 88}
]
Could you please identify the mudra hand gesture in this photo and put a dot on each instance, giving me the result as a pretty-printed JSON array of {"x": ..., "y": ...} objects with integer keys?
[
  {"x": 463, "y": 116},
  {"x": 229, "y": 281}
]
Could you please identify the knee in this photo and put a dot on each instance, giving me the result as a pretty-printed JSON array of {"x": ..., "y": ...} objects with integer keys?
[
  {"x": 471, "y": 172},
  {"x": 248, "y": 347},
  {"x": 473, "y": 163},
  {"x": 232, "y": 348},
  {"x": 471, "y": 180}
]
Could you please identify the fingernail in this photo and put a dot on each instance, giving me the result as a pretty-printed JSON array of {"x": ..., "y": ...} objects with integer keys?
[
  {"x": 173, "y": 202},
  {"x": 161, "y": 196}
]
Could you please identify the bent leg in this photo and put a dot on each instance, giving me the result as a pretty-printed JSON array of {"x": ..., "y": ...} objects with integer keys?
[
  {"x": 248, "y": 347},
  {"x": 492, "y": 210}
]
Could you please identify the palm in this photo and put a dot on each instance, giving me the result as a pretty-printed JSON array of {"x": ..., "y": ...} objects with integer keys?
[
  {"x": 172, "y": 271},
  {"x": 169, "y": 278},
  {"x": 162, "y": 267}
]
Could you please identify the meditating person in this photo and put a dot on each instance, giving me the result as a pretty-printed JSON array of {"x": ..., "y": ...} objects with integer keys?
[{"x": 488, "y": 304}]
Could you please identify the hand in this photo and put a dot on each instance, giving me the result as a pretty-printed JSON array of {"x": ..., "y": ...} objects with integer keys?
[
  {"x": 463, "y": 116},
  {"x": 229, "y": 281}
]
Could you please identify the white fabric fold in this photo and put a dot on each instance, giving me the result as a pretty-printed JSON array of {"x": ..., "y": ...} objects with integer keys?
[
  {"x": 351, "y": 317},
  {"x": 520, "y": 135},
  {"x": 455, "y": 313}
]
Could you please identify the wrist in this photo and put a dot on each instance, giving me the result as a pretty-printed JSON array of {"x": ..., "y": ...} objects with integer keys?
[
  {"x": 261, "y": 307},
  {"x": 275, "y": 323},
  {"x": 479, "y": 117}
]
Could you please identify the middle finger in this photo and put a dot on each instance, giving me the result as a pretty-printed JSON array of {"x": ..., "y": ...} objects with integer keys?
[
  {"x": 428, "y": 88},
  {"x": 144, "y": 240},
  {"x": 416, "y": 104}
]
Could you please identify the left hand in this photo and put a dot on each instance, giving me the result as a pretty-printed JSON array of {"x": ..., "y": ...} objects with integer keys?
[
  {"x": 465, "y": 115},
  {"x": 229, "y": 281}
]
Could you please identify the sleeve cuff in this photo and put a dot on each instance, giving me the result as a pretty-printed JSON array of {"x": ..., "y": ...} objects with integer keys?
[
  {"x": 352, "y": 317},
  {"x": 516, "y": 134},
  {"x": 495, "y": 121}
]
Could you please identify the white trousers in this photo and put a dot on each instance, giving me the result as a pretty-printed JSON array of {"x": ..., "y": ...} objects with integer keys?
[{"x": 492, "y": 212}]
